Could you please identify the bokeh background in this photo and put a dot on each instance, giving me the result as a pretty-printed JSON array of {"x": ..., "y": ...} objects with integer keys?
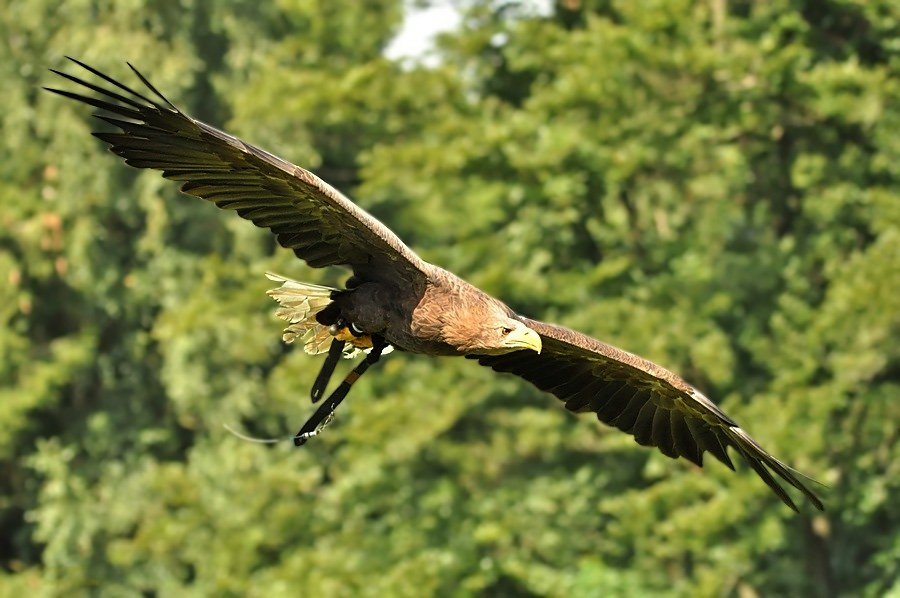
[{"x": 713, "y": 184}]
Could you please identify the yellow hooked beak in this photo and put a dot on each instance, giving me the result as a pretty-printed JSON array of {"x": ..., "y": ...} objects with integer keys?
[{"x": 523, "y": 337}]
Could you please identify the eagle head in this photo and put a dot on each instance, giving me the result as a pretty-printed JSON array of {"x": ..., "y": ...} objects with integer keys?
[{"x": 490, "y": 331}]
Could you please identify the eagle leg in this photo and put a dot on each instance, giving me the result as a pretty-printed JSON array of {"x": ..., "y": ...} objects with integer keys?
[
  {"x": 325, "y": 413},
  {"x": 334, "y": 355}
]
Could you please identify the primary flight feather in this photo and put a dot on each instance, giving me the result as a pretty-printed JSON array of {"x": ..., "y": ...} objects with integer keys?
[{"x": 395, "y": 299}]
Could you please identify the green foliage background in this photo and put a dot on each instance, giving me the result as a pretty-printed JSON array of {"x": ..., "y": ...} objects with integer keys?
[{"x": 713, "y": 184}]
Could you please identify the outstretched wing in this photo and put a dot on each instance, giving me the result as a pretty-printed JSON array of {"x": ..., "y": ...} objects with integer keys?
[
  {"x": 306, "y": 214},
  {"x": 639, "y": 397}
]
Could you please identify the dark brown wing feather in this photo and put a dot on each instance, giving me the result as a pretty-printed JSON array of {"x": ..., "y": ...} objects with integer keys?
[
  {"x": 306, "y": 214},
  {"x": 654, "y": 405}
]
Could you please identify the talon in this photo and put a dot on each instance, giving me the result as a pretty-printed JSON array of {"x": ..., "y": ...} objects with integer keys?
[
  {"x": 343, "y": 334},
  {"x": 360, "y": 342}
]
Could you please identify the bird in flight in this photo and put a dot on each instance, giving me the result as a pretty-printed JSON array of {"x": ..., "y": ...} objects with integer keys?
[{"x": 394, "y": 299}]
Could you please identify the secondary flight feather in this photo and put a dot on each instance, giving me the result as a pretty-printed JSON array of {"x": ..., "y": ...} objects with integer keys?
[{"x": 394, "y": 299}]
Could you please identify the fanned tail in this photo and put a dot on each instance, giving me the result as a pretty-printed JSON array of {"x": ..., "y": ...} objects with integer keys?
[{"x": 300, "y": 302}]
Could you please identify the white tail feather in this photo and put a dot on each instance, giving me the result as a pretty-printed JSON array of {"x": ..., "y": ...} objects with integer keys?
[{"x": 299, "y": 304}]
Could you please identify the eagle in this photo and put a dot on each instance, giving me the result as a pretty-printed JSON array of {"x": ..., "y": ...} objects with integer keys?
[{"x": 396, "y": 300}]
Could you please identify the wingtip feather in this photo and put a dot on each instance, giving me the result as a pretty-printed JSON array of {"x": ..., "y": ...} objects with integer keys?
[
  {"x": 759, "y": 460},
  {"x": 151, "y": 87}
]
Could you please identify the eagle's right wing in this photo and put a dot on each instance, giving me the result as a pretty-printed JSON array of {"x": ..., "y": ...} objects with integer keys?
[{"x": 306, "y": 214}]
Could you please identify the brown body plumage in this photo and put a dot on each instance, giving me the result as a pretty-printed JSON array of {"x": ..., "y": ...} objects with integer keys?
[{"x": 395, "y": 298}]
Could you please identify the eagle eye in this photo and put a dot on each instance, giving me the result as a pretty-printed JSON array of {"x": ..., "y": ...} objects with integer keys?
[{"x": 505, "y": 331}]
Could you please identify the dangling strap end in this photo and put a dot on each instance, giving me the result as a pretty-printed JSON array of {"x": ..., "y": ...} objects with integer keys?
[{"x": 334, "y": 355}]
